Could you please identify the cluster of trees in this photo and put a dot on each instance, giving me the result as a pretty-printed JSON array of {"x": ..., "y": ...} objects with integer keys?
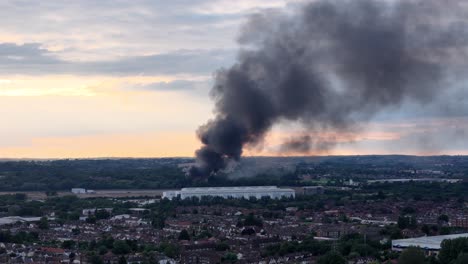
[
  {"x": 309, "y": 245},
  {"x": 66, "y": 208},
  {"x": 454, "y": 251},
  {"x": 95, "y": 249},
  {"x": 395, "y": 165},
  {"x": 18, "y": 238},
  {"x": 351, "y": 246},
  {"x": 250, "y": 220},
  {"x": 435, "y": 192},
  {"x": 184, "y": 235},
  {"x": 17, "y": 204},
  {"x": 93, "y": 174},
  {"x": 332, "y": 257},
  {"x": 104, "y": 245}
]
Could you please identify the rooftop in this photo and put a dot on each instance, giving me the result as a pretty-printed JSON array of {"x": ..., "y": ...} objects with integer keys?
[
  {"x": 230, "y": 188},
  {"x": 426, "y": 242}
]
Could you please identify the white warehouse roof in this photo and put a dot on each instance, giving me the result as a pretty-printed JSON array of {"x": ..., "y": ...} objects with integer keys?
[
  {"x": 426, "y": 242},
  {"x": 234, "y": 192}
]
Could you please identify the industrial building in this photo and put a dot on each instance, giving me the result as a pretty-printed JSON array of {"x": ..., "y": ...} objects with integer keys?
[
  {"x": 231, "y": 192},
  {"x": 431, "y": 244},
  {"x": 81, "y": 191}
]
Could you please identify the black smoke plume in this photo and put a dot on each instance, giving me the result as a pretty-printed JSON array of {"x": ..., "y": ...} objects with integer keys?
[{"x": 329, "y": 65}]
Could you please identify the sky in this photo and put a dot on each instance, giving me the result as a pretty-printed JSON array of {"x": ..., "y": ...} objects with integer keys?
[{"x": 86, "y": 78}]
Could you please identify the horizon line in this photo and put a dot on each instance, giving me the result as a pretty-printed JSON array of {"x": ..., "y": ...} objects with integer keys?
[{"x": 251, "y": 156}]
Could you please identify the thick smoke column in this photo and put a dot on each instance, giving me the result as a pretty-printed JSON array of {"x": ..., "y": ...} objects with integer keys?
[{"x": 329, "y": 65}]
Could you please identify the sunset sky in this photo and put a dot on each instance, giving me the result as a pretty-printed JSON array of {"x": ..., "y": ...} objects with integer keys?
[{"x": 114, "y": 78}]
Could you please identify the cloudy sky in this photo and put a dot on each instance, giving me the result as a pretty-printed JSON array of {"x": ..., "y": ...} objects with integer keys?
[{"x": 132, "y": 78}]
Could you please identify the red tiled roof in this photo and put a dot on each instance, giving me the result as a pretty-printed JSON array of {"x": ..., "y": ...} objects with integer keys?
[{"x": 53, "y": 250}]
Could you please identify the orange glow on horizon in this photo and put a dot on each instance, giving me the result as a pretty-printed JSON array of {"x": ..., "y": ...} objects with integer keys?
[{"x": 155, "y": 145}]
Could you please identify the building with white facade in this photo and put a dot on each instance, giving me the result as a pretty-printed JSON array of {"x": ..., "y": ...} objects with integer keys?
[
  {"x": 78, "y": 190},
  {"x": 81, "y": 191},
  {"x": 232, "y": 192}
]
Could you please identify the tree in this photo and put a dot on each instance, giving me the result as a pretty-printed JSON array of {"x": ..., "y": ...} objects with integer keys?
[
  {"x": 91, "y": 219},
  {"x": 68, "y": 244},
  {"x": 230, "y": 257},
  {"x": 102, "y": 250},
  {"x": 102, "y": 214},
  {"x": 451, "y": 249},
  {"x": 43, "y": 223},
  {"x": 462, "y": 259},
  {"x": 443, "y": 218},
  {"x": 76, "y": 231},
  {"x": 95, "y": 260},
  {"x": 445, "y": 230},
  {"x": 158, "y": 221},
  {"x": 412, "y": 255},
  {"x": 169, "y": 250},
  {"x": 221, "y": 246},
  {"x": 251, "y": 220},
  {"x": 74, "y": 216},
  {"x": 407, "y": 222},
  {"x": 72, "y": 256},
  {"x": 425, "y": 229},
  {"x": 121, "y": 247},
  {"x": 184, "y": 235},
  {"x": 122, "y": 260},
  {"x": 332, "y": 257}
]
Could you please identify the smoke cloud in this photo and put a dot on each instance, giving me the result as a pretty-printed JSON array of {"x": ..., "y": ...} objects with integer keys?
[{"x": 329, "y": 65}]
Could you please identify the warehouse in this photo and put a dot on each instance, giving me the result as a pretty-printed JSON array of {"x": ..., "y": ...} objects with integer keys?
[
  {"x": 431, "y": 244},
  {"x": 231, "y": 192}
]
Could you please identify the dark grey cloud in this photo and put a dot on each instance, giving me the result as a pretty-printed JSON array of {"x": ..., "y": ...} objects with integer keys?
[
  {"x": 24, "y": 50},
  {"x": 26, "y": 55},
  {"x": 331, "y": 65},
  {"x": 300, "y": 144},
  {"x": 304, "y": 144},
  {"x": 32, "y": 59}
]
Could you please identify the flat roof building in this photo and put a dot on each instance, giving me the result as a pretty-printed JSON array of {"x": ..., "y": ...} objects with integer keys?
[
  {"x": 431, "y": 244},
  {"x": 78, "y": 190},
  {"x": 232, "y": 192}
]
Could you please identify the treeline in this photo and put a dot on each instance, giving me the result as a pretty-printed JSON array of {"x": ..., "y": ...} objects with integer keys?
[
  {"x": 91, "y": 174},
  {"x": 351, "y": 246},
  {"x": 437, "y": 192},
  {"x": 95, "y": 250},
  {"x": 18, "y": 238},
  {"x": 58, "y": 175}
]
